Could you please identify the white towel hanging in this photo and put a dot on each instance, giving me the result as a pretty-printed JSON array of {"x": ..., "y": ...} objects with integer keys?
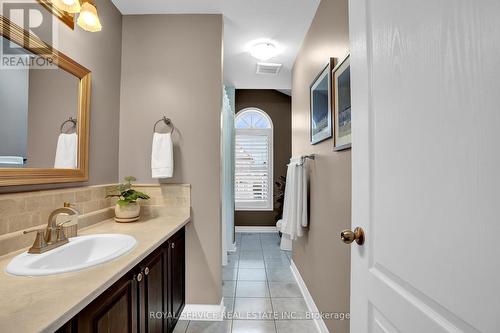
[
  {"x": 162, "y": 156},
  {"x": 295, "y": 203},
  {"x": 66, "y": 151}
]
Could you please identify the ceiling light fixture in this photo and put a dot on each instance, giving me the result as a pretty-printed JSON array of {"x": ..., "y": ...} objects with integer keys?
[
  {"x": 88, "y": 19},
  {"x": 264, "y": 50},
  {"x": 70, "y": 6}
]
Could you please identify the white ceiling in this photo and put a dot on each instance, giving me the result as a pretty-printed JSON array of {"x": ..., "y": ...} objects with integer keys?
[{"x": 285, "y": 21}]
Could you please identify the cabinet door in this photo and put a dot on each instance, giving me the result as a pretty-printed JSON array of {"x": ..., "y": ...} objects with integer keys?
[
  {"x": 114, "y": 311},
  {"x": 152, "y": 290},
  {"x": 176, "y": 257}
]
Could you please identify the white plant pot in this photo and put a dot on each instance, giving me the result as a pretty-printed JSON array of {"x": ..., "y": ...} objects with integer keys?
[{"x": 127, "y": 213}]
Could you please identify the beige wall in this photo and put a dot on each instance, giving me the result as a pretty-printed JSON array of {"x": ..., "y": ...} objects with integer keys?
[
  {"x": 322, "y": 259},
  {"x": 101, "y": 53},
  {"x": 278, "y": 106},
  {"x": 172, "y": 66}
]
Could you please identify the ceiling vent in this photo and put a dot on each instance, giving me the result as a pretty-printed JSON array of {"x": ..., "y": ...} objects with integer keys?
[{"x": 266, "y": 68}]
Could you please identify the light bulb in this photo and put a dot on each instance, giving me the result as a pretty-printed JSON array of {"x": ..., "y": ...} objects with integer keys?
[
  {"x": 70, "y": 6},
  {"x": 88, "y": 19}
]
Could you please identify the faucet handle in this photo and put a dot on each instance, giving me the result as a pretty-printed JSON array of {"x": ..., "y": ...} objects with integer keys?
[
  {"x": 34, "y": 230},
  {"x": 63, "y": 223},
  {"x": 61, "y": 236},
  {"x": 39, "y": 242}
]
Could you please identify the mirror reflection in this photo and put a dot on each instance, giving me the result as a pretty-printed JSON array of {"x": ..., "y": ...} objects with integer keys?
[{"x": 38, "y": 115}]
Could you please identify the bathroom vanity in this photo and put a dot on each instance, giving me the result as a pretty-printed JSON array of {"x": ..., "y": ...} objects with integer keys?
[
  {"x": 148, "y": 298},
  {"x": 117, "y": 296}
]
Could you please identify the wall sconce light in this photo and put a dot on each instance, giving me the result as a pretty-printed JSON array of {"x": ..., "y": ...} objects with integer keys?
[
  {"x": 88, "y": 19},
  {"x": 70, "y": 6}
]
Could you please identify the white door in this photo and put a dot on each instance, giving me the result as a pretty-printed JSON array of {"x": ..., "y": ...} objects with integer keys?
[{"x": 426, "y": 165}]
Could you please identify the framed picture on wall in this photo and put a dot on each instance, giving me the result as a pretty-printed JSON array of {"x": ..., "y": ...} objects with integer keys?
[
  {"x": 321, "y": 115},
  {"x": 341, "y": 101}
]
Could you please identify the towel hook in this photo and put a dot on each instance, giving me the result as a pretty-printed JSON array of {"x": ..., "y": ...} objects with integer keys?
[
  {"x": 167, "y": 122},
  {"x": 70, "y": 120}
]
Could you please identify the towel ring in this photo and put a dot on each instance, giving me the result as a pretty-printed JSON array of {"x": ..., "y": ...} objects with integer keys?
[
  {"x": 70, "y": 120},
  {"x": 167, "y": 122}
]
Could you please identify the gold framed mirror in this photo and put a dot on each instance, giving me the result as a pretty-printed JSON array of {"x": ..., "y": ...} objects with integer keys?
[{"x": 51, "y": 94}]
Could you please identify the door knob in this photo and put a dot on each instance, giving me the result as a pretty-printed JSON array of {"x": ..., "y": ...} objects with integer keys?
[
  {"x": 146, "y": 271},
  {"x": 349, "y": 236}
]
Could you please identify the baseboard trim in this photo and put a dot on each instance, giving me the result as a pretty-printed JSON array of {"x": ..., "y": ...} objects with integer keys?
[
  {"x": 255, "y": 229},
  {"x": 311, "y": 306},
  {"x": 203, "y": 312}
]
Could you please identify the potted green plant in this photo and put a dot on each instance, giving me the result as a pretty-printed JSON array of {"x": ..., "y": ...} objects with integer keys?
[
  {"x": 279, "y": 198},
  {"x": 127, "y": 209}
]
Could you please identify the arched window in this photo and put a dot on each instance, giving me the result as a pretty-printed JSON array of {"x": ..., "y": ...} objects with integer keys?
[{"x": 253, "y": 160}]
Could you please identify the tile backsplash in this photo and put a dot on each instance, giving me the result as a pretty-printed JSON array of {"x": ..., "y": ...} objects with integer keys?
[
  {"x": 20, "y": 211},
  {"x": 166, "y": 195},
  {"x": 30, "y": 210}
]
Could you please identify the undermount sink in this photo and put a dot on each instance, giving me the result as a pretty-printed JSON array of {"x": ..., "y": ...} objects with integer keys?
[{"x": 80, "y": 253}]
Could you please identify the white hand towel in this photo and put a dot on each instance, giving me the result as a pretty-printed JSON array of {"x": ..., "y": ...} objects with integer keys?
[
  {"x": 12, "y": 160},
  {"x": 295, "y": 203},
  {"x": 162, "y": 156},
  {"x": 66, "y": 151}
]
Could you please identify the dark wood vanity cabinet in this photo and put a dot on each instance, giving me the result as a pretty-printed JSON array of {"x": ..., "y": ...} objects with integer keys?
[
  {"x": 114, "y": 311},
  {"x": 148, "y": 299},
  {"x": 177, "y": 278},
  {"x": 154, "y": 293}
]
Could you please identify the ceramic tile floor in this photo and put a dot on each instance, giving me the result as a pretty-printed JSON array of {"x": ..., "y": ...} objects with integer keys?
[{"x": 260, "y": 292}]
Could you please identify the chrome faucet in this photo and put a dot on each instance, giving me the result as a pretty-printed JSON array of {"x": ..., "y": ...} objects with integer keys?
[{"x": 53, "y": 235}]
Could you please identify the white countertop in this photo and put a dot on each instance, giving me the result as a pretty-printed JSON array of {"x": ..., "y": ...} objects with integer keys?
[{"x": 43, "y": 304}]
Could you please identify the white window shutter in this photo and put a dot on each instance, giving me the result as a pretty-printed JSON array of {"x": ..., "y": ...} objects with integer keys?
[{"x": 253, "y": 169}]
